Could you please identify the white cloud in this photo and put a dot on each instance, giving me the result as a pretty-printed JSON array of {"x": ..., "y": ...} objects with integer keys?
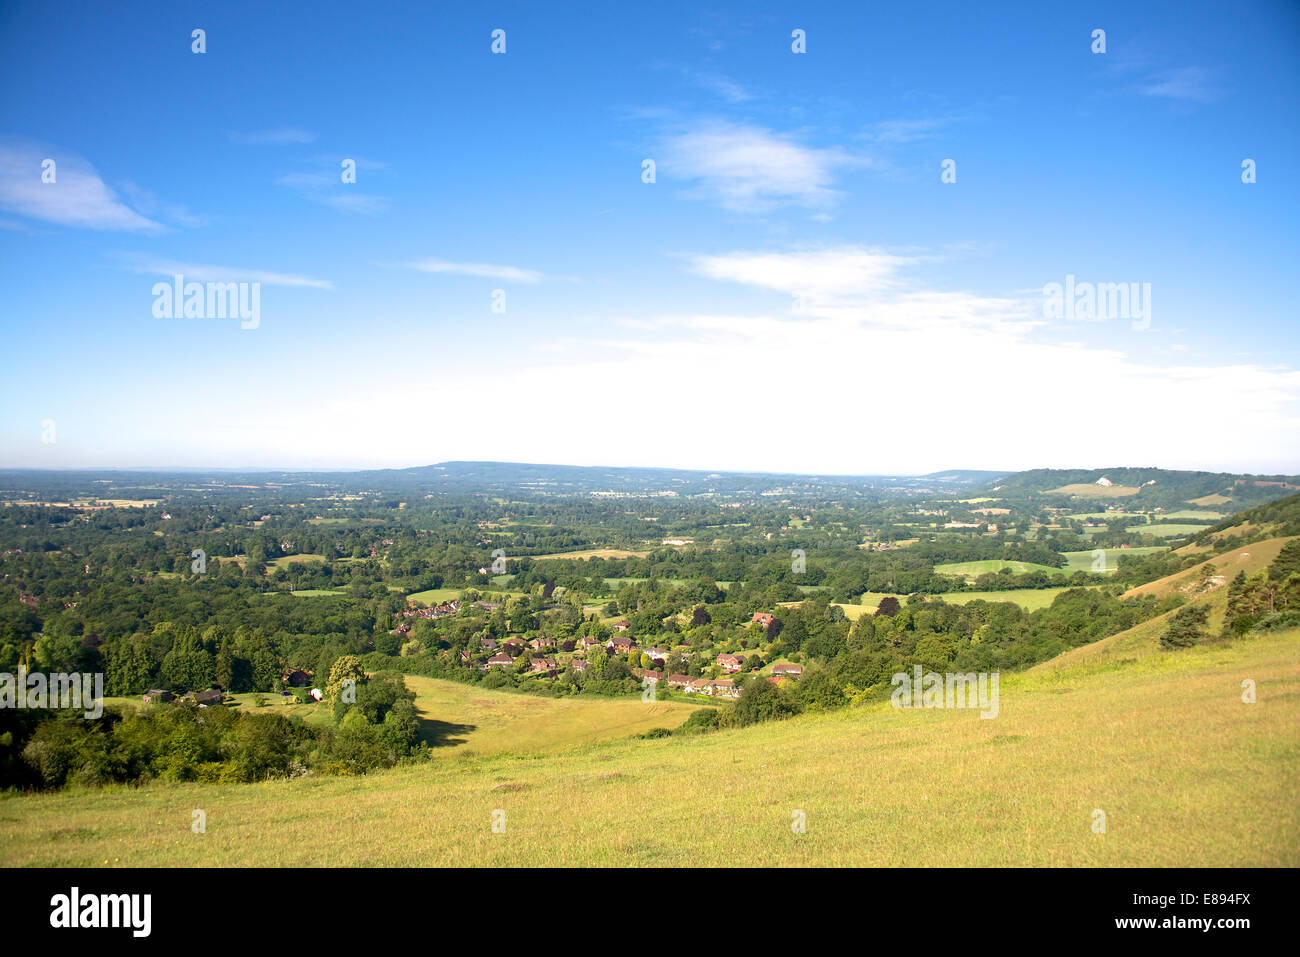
[
  {"x": 323, "y": 184},
  {"x": 751, "y": 169},
  {"x": 77, "y": 197},
  {"x": 1188, "y": 83},
  {"x": 277, "y": 137},
  {"x": 480, "y": 270},
  {"x": 200, "y": 272},
  {"x": 892, "y": 377}
]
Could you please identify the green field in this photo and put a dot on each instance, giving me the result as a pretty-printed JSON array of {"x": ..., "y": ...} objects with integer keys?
[
  {"x": 1170, "y": 530},
  {"x": 316, "y": 592},
  {"x": 973, "y": 569},
  {"x": 1030, "y": 599},
  {"x": 1082, "y": 561},
  {"x": 466, "y": 718},
  {"x": 1186, "y": 774},
  {"x": 434, "y": 596}
]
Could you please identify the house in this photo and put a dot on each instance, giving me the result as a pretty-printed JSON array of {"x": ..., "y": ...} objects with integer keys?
[
  {"x": 679, "y": 681},
  {"x": 1104, "y": 482},
  {"x": 513, "y": 647},
  {"x": 542, "y": 666},
  {"x": 537, "y": 644},
  {"x": 651, "y": 676},
  {"x": 730, "y": 663},
  {"x": 723, "y": 688},
  {"x": 157, "y": 694},
  {"x": 622, "y": 643},
  {"x": 578, "y": 665},
  {"x": 298, "y": 678},
  {"x": 204, "y": 698},
  {"x": 762, "y": 618},
  {"x": 488, "y": 644},
  {"x": 503, "y": 660},
  {"x": 621, "y": 626},
  {"x": 788, "y": 670},
  {"x": 589, "y": 641},
  {"x": 698, "y": 686},
  {"x": 657, "y": 654}
]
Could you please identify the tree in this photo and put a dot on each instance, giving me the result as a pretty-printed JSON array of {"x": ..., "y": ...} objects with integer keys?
[
  {"x": 888, "y": 607},
  {"x": 1185, "y": 627},
  {"x": 347, "y": 668},
  {"x": 760, "y": 700}
]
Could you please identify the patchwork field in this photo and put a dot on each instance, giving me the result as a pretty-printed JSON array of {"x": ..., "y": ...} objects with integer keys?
[{"x": 1021, "y": 789}]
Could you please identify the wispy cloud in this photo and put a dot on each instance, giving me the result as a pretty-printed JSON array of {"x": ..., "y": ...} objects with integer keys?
[
  {"x": 77, "y": 197},
  {"x": 1188, "y": 83},
  {"x": 201, "y": 272},
  {"x": 151, "y": 205},
  {"x": 277, "y": 137},
  {"x": 752, "y": 169},
  {"x": 479, "y": 270},
  {"x": 323, "y": 183},
  {"x": 898, "y": 132}
]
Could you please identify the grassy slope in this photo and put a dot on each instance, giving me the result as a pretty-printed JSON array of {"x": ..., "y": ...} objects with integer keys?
[
  {"x": 482, "y": 721},
  {"x": 1248, "y": 558},
  {"x": 1187, "y": 774}
]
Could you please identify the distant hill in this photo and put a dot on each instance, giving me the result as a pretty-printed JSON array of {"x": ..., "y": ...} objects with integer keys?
[{"x": 1147, "y": 487}]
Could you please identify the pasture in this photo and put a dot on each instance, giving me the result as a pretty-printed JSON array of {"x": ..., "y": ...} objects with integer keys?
[{"x": 1185, "y": 773}]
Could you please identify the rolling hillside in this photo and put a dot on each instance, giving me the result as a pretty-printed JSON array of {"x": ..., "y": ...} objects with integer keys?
[{"x": 1186, "y": 774}]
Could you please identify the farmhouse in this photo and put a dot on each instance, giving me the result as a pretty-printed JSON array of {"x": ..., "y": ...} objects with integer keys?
[
  {"x": 788, "y": 670},
  {"x": 730, "y": 663},
  {"x": 763, "y": 618}
]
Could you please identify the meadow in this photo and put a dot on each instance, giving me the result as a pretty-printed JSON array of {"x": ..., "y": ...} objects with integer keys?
[
  {"x": 1072, "y": 737},
  {"x": 972, "y": 569},
  {"x": 1167, "y": 529},
  {"x": 1083, "y": 561}
]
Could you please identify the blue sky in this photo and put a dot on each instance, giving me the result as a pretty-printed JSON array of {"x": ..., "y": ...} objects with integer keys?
[{"x": 798, "y": 290}]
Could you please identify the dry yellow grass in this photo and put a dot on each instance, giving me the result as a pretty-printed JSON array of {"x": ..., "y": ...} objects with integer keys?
[
  {"x": 1186, "y": 773},
  {"x": 594, "y": 553},
  {"x": 1248, "y": 558},
  {"x": 1088, "y": 490}
]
